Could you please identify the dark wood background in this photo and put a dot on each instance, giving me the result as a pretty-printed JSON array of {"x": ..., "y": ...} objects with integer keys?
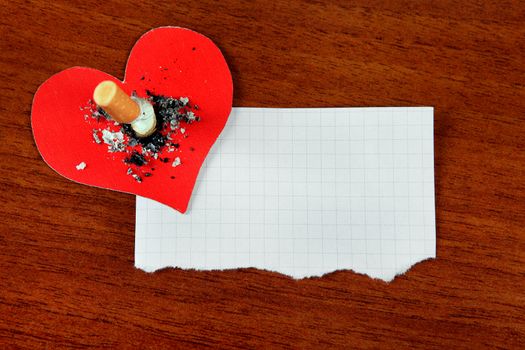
[{"x": 66, "y": 260}]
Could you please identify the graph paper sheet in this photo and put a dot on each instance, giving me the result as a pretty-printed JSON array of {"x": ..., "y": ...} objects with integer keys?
[{"x": 304, "y": 192}]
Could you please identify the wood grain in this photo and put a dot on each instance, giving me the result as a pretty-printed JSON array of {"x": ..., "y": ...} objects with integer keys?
[{"x": 66, "y": 261}]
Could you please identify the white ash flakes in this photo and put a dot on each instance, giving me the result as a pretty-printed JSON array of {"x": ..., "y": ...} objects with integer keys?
[
  {"x": 114, "y": 140},
  {"x": 176, "y": 162},
  {"x": 184, "y": 100},
  {"x": 133, "y": 175},
  {"x": 95, "y": 136},
  {"x": 81, "y": 166},
  {"x": 191, "y": 116}
]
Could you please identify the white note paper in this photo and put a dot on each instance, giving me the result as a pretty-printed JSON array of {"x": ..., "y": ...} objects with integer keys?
[{"x": 304, "y": 192}]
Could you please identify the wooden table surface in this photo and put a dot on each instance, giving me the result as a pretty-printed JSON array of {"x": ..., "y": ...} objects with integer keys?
[{"x": 66, "y": 260}]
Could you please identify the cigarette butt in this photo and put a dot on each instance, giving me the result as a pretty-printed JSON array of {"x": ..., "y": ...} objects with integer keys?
[{"x": 110, "y": 97}]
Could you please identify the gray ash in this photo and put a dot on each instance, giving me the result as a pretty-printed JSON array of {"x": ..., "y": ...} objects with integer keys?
[
  {"x": 135, "y": 158},
  {"x": 173, "y": 116},
  {"x": 172, "y": 110},
  {"x": 96, "y": 138}
]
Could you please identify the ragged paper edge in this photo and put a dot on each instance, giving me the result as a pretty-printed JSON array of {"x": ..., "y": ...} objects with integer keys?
[{"x": 152, "y": 270}]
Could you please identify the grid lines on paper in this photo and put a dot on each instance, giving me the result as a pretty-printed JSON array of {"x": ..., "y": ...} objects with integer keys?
[{"x": 304, "y": 192}]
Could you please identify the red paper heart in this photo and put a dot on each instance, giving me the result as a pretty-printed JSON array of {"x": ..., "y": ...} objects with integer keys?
[{"x": 169, "y": 61}]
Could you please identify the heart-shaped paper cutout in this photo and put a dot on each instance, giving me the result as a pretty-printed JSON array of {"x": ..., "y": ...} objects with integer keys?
[{"x": 168, "y": 61}]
